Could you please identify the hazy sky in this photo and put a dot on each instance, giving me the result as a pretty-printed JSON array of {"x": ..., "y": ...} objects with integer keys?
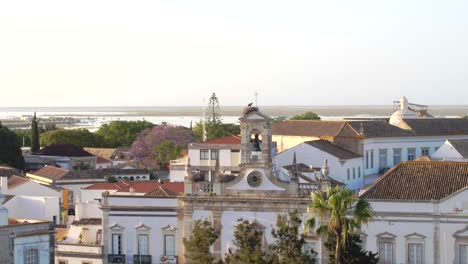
[{"x": 175, "y": 52}]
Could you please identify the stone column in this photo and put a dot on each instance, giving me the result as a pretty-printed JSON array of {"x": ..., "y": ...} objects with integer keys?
[
  {"x": 105, "y": 227},
  {"x": 216, "y": 213},
  {"x": 436, "y": 233},
  {"x": 185, "y": 222}
]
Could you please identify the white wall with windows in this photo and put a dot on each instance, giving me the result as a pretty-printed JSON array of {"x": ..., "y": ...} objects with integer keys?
[
  {"x": 141, "y": 230},
  {"x": 32, "y": 249},
  {"x": 409, "y": 232},
  {"x": 382, "y": 153}
]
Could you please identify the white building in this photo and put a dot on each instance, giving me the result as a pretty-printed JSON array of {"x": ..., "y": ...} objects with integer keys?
[
  {"x": 345, "y": 166},
  {"x": 140, "y": 226},
  {"x": 454, "y": 150},
  {"x": 67, "y": 156},
  {"x": 421, "y": 213},
  {"x": 203, "y": 157},
  {"x": 25, "y": 240}
]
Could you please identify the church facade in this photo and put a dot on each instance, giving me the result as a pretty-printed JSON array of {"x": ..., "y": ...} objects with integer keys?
[{"x": 256, "y": 194}]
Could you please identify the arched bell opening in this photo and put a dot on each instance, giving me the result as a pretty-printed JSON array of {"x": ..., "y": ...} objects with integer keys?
[{"x": 255, "y": 148}]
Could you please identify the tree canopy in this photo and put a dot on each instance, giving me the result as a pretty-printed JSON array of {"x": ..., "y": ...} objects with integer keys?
[
  {"x": 332, "y": 208},
  {"x": 165, "y": 152},
  {"x": 213, "y": 112},
  {"x": 122, "y": 133},
  {"x": 10, "y": 148},
  {"x": 248, "y": 242},
  {"x": 143, "y": 149},
  {"x": 352, "y": 253},
  {"x": 197, "y": 246},
  {"x": 35, "y": 144},
  {"x": 288, "y": 245},
  {"x": 306, "y": 116},
  {"x": 80, "y": 137},
  {"x": 214, "y": 131}
]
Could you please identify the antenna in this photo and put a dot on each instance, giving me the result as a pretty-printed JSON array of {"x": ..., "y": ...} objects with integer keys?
[{"x": 203, "y": 122}]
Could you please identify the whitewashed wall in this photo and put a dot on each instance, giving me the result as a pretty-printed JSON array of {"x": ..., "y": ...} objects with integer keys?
[
  {"x": 33, "y": 207},
  {"x": 41, "y": 243},
  {"x": 448, "y": 152},
  {"x": 309, "y": 155}
]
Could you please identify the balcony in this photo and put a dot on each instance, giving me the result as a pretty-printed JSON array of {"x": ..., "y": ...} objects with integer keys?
[
  {"x": 203, "y": 187},
  {"x": 113, "y": 258},
  {"x": 142, "y": 259}
]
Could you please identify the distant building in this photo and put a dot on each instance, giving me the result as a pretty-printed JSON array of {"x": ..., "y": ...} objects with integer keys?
[
  {"x": 66, "y": 156},
  {"x": 203, "y": 158},
  {"x": 421, "y": 213}
]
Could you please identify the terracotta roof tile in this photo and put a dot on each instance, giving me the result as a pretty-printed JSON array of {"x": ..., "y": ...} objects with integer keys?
[
  {"x": 102, "y": 152},
  {"x": 161, "y": 192},
  {"x": 378, "y": 128},
  {"x": 231, "y": 140},
  {"x": 419, "y": 180},
  {"x": 51, "y": 172},
  {"x": 15, "y": 181},
  {"x": 311, "y": 128},
  {"x": 438, "y": 126},
  {"x": 101, "y": 160}
]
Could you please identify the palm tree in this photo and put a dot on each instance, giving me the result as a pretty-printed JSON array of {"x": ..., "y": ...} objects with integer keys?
[{"x": 344, "y": 212}]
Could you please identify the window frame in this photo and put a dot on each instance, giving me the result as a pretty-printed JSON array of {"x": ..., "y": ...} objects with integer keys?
[
  {"x": 215, "y": 152},
  {"x": 31, "y": 258},
  {"x": 120, "y": 244},
  {"x": 413, "y": 153},
  {"x": 165, "y": 245},
  {"x": 204, "y": 154},
  {"x": 395, "y": 152}
]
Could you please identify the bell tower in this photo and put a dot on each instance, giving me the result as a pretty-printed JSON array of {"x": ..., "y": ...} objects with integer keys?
[{"x": 256, "y": 134}]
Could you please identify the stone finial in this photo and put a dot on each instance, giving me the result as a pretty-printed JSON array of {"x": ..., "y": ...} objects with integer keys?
[
  {"x": 403, "y": 103},
  {"x": 325, "y": 169}
]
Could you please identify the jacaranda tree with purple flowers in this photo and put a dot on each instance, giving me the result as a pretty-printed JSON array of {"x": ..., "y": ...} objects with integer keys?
[{"x": 143, "y": 149}]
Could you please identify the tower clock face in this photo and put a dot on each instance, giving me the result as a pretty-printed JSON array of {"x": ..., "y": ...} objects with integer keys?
[{"x": 254, "y": 179}]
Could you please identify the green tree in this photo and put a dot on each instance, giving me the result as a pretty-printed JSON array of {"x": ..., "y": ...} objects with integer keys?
[
  {"x": 23, "y": 134},
  {"x": 465, "y": 117},
  {"x": 248, "y": 238},
  {"x": 166, "y": 151},
  {"x": 122, "y": 133},
  {"x": 353, "y": 253},
  {"x": 10, "y": 149},
  {"x": 197, "y": 247},
  {"x": 82, "y": 166},
  {"x": 306, "y": 116},
  {"x": 288, "y": 245},
  {"x": 35, "y": 144},
  {"x": 215, "y": 131},
  {"x": 213, "y": 112},
  {"x": 332, "y": 208},
  {"x": 111, "y": 179},
  {"x": 79, "y": 137}
]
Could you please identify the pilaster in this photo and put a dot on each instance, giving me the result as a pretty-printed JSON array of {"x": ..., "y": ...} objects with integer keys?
[{"x": 216, "y": 213}]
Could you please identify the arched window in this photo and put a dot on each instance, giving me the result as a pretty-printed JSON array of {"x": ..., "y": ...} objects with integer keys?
[
  {"x": 132, "y": 178},
  {"x": 137, "y": 178}
]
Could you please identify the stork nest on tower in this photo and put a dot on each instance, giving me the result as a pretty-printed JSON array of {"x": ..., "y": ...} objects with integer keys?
[{"x": 249, "y": 109}]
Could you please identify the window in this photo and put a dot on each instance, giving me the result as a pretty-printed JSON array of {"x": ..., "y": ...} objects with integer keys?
[
  {"x": 116, "y": 244},
  {"x": 99, "y": 237},
  {"x": 359, "y": 172},
  {"x": 463, "y": 254},
  {"x": 86, "y": 262},
  {"x": 383, "y": 158},
  {"x": 367, "y": 159},
  {"x": 214, "y": 154},
  {"x": 386, "y": 253},
  {"x": 62, "y": 262},
  {"x": 235, "y": 150},
  {"x": 348, "y": 174},
  {"x": 143, "y": 244},
  {"x": 415, "y": 253},
  {"x": 31, "y": 256},
  {"x": 372, "y": 159},
  {"x": 169, "y": 245},
  {"x": 203, "y": 154},
  {"x": 425, "y": 151},
  {"x": 354, "y": 173},
  {"x": 411, "y": 153},
  {"x": 396, "y": 156}
]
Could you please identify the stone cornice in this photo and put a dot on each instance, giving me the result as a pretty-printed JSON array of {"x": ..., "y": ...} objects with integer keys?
[{"x": 139, "y": 208}]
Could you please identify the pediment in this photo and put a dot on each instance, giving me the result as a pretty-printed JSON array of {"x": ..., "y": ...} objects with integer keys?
[
  {"x": 462, "y": 233},
  {"x": 415, "y": 236},
  {"x": 116, "y": 227},
  {"x": 265, "y": 181},
  {"x": 386, "y": 235},
  {"x": 169, "y": 228},
  {"x": 142, "y": 227},
  {"x": 255, "y": 115}
]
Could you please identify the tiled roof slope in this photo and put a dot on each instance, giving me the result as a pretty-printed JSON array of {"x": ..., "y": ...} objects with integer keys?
[
  {"x": 461, "y": 146},
  {"x": 377, "y": 128},
  {"x": 63, "y": 150},
  {"x": 149, "y": 188},
  {"x": 15, "y": 181},
  {"x": 419, "y": 181},
  {"x": 7, "y": 171},
  {"x": 333, "y": 149},
  {"x": 102, "y": 152},
  {"x": 438, "y": 126},
  {"x": 161, "y": 192},
  {"x": 311, "y": 128},
  {"x": 51, "y": 172}
]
